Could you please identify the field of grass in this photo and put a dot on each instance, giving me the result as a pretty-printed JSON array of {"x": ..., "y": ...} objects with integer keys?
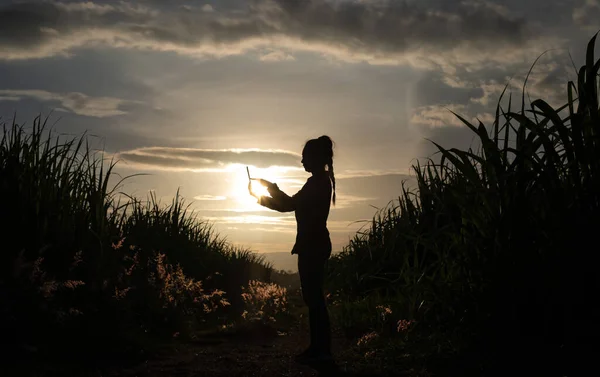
[
  {"x": 489, "y": 262},
  {"x": 495, "y": 251},
  {"x": 82, "y": 271}
]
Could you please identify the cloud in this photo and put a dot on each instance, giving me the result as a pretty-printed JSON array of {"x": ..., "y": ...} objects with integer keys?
[
  {"x": 587, "y": 15},
  {"x": 438, "y": 115},
  {"x": 277, "y": 56},
  {"x": 448, "y": 137},
  {"x": 435, "y": 88},
  {"x": 350, "y": 201},
  {"x": 206, "y": 159},
  {"x": 476, "y": 97},
  {"x": 254, "y": 219},
  {"x": 372, "y": 189},
  {"x": 207, "y": 8},
  {"x": 349, "y": 174},
  {"x": 75, "y": 102},
  {"x": 210, "y": 197},
  {"x": 379, "y": 32},
  {"x": 9, "y": 98},
  {"x": 435, "y": 116}
]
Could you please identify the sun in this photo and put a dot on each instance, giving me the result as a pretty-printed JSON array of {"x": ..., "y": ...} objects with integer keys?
[
  {"x": 239, "y": 188},
  {"x": 259, "y": 189}
]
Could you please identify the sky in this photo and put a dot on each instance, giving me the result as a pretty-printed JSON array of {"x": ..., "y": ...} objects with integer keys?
[{"x": 188, "y": 93}]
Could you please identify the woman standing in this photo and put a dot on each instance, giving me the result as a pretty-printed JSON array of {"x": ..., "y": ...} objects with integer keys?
[{"x": 313, "y": 245}]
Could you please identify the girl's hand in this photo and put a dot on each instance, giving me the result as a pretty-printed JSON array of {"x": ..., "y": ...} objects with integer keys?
[
  {"x": 272, "y": 188},
  {"x": 266, "y": 183}
]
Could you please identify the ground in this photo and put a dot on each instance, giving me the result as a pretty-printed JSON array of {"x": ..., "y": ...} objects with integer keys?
[
  {"x": 261, "y": 351},
  {"x": 258, "y": 351}
]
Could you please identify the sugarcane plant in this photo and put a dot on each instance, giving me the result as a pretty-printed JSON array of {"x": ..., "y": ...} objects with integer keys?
[{"x": 494, "y": 240}]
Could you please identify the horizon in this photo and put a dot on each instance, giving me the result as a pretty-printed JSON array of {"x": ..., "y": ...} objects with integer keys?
[{"x": 192, "y": 92}]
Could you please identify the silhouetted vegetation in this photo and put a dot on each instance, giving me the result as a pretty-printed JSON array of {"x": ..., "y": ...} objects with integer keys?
[
  {"x": 83, "y": 271},
  {"x": 495, "y": 248}
]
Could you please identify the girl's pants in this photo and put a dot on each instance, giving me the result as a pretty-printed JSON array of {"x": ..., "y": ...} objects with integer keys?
[{"x": 312, "y": 271}]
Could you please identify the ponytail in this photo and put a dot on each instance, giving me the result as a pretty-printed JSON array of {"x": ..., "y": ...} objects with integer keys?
[
  {"x": 327, "y": 153},
  {"x": 332, "y": 177}
]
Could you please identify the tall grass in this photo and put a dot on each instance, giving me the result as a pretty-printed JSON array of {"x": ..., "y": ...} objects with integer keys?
[
  {"x": 80, "y": 267},
  {"x": 497, "y": 244}
]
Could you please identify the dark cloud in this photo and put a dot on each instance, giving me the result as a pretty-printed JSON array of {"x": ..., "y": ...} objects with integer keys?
[
  {"x": 587, "y": 15},
  {"x": 448, "y": 137},
  {"x": 204, "y": 159},
  {"x": 393, "y": 25},
  {"x": 431, "y": 90},
  {"x": 553, "y": 81},
  {"x": 22, "y": 25},
  {"x": 75, "y": 102},
  {"x": 364, "y": 30}
]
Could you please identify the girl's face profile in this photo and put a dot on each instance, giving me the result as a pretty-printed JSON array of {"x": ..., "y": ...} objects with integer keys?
[
  {"x": 306, "y": 161},
  {"x": 310, "y": 163}
]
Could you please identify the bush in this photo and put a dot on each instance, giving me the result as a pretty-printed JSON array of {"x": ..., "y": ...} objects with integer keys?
[
  {"x": 82, "y": 271},
  {"x": 493, "y": 243}
]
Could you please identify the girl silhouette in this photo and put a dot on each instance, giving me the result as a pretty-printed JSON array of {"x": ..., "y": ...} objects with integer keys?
[{"x": 313, "y": 245}]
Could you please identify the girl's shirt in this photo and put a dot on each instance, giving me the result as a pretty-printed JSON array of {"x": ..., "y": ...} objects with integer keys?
[{"x": 311, "y": 205}]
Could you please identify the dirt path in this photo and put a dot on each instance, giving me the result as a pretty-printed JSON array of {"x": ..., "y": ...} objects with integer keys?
[
  {"x": 262, "y": 351},
  {"x": 261, "y": 355}
]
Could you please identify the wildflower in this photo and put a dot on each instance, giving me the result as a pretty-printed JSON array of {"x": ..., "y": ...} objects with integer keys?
[
  {"x": 404, "y": 325},
  {"x": 72, "y": 284},
  {"x": 48, "y": 288},
  {"x": 119, "y": 244},
  {"x": 129, "y": 271},
  {"x": 121, "y": 293},
  {"x": 386, "y": 310},
  {"x": 264, "y": 300},
  {"x": 367, "y": 338},
  {"x": 160, "y": 265}
]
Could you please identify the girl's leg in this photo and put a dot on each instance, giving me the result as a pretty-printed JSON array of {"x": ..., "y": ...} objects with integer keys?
[{"x": 312, "y": 271}]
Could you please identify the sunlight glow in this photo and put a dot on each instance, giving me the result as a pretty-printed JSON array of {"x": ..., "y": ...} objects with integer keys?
[
  {"x": 259, "y": 189},
  {"x": 239, "y": 188},
  {"x": 253, "y": 219}
]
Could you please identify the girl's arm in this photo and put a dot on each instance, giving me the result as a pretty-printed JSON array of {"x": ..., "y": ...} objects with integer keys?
[{"x": 279, "y": 200}]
